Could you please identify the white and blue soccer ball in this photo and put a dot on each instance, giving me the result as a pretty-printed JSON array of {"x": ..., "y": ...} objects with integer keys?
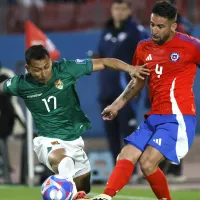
[{"x": 57, "y": 187}]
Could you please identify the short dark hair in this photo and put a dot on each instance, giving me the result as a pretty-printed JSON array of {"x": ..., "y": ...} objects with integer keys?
[
  {"x": 36, "y": 52},
  {"x": 165, "y": 9},
  {"x": 128, "y": 2}
]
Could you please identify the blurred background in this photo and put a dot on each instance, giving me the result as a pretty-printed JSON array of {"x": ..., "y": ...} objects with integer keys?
[{"x": 75, "y": 29}]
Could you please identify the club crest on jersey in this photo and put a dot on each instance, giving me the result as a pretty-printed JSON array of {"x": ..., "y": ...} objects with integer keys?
[
  {"x": 59, "y": 84},
  {"x": 174, "y": 57}
]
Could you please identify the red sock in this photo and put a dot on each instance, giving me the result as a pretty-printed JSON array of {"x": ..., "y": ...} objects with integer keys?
[
  {"x": 159, "y": 184},
  {"x": 119, "y": 177}
]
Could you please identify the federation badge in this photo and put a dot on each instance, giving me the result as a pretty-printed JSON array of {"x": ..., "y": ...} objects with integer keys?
[
  {"x": 59, "y": 84},
  {"x": 174, "y": 57}
]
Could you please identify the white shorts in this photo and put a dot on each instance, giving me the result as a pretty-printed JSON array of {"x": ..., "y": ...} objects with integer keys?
[{"x": 43, "y": 146}]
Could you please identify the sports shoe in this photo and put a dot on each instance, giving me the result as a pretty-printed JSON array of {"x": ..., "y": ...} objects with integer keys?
[
  {"x": 80, "y": 195},
  {"x": 101, "y": 197}
]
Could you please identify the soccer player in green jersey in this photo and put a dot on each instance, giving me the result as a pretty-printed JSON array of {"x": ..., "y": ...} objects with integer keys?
[{"x": 48, "y": 90}]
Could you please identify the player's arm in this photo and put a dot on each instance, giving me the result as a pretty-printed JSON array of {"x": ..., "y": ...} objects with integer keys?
[
  {"x": 10, "y": 86},
  {"x": 115, "y": 64},
  {"x": 131, "y": 91}
]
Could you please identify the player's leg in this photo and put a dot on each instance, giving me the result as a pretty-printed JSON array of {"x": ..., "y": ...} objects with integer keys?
[
  {"x": 82, "y": 169},
  {"x": 58, "y": 155},
  {"x": 149, "y": 162},
  {"x": 172, "y": 139},
  {"x": 83, "y": 182},
  {"x": 122, "y": 172},
  {"x": 64, "y": 162},
  {"x": 63, "y": 165}
]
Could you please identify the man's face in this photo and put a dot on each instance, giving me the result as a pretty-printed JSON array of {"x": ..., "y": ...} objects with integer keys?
[
  {"x": 120, "y": 11},
  {"x": 41, "y": 70},
  {"x": 161, "y": 29}
]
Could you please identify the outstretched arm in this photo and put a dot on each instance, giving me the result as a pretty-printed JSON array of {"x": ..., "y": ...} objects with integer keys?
[
  {"x": 131, "y": 91},
  {"x": 115, "y": 64}
]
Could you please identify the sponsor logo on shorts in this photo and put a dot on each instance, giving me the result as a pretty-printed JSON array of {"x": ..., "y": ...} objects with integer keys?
[
  {"x": 158, "y": 141},
  {"x": 55, "y": 143}
]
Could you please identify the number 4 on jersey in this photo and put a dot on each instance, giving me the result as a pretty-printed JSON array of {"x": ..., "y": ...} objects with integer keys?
[{"x": 159, "y": 70}]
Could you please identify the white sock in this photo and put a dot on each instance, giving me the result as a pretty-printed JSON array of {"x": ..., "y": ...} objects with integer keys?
[{"x": 66, "y": 169}]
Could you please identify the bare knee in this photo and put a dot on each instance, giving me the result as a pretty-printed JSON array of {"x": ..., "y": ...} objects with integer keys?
[
  {"x": 55, "y": 158},
  {"x": 130, "y": 153},
  {"x": 150, "y": 160},
  {"x": 148, "y": 166}
]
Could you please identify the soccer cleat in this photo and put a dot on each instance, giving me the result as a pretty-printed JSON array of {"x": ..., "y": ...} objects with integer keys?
[
  {"x": 80, "y": 195},
  {"x": 101, "y": 197}
]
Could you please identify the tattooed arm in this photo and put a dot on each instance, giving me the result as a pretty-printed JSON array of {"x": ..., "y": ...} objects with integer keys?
[{"x": 131, "y": 91}]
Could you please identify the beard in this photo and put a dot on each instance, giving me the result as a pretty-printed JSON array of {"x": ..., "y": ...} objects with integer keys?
[{"x": 162, "y": 40}]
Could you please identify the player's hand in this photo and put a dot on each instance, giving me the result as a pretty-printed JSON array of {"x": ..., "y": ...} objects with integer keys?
[
  {"x": 139, "y": 72},
  {"x": 109, "y": 113}
]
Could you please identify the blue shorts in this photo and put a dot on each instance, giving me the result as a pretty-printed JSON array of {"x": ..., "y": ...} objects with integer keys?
[{"x": 172, "y": 135}]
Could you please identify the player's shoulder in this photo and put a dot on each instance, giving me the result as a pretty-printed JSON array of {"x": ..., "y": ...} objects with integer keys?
[
  {"x": 20, "y": 78},
  {"x": 18, "y": 81},
  {"x": 187, "y": 39},
  {"x": 64, "y": 64},
  {"x": 145, "y": 42},
  {"x": 59, "y": 65}
]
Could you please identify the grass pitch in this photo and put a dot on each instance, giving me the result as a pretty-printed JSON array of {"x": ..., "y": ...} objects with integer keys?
[{"x": 25, "y": 193}]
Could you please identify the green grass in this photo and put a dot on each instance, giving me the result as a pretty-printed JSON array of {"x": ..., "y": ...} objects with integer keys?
[{"x": 25, "y": 193}]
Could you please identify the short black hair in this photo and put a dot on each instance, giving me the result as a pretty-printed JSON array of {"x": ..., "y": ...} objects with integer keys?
[
  {"x": 36, "y": 52},
  {"x": 128, "y": 2},
  {"x": 165, "y": 9}
]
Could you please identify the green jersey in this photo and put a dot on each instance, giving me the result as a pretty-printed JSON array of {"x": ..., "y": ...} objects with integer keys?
[{"x": 55, "y": 106}]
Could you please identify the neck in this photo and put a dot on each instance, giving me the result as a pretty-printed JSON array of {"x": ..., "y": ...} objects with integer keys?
[
  {"x": 117, "y": 24},
  {"x": 171, "y": 37}
]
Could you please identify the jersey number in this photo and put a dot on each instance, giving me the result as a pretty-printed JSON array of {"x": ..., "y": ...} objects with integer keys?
[
  {"x": 48, "y": 100},
  {"x": 159, "y": 70}
]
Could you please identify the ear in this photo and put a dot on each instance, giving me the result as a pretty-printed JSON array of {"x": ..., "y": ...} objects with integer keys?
[
  {"x": 27, "y": 67},
  {"x": 173, "y": 27}
]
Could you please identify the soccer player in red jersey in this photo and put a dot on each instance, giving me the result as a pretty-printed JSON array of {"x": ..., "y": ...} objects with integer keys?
[{"x": 168, "y": 130}]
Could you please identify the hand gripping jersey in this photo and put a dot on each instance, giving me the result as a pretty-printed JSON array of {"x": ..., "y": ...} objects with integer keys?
[
  {"x": 173, "y": 69},
  {"x": 55, "y": 106}
]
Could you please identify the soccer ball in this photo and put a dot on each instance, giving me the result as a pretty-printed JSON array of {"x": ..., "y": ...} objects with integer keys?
[{"x": 57, "y": 187}]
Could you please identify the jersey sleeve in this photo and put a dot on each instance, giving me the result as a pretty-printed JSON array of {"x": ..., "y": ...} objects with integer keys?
[
  {"x": 11, "y": 86},
  {"x": 137, "y": 58},
  {"x": 79, "y": 67},
  {"x": 196, "y": 43}
]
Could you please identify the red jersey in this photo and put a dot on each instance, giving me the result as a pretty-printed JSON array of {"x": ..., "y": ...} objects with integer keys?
[{"x": 173, "y": 70}]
